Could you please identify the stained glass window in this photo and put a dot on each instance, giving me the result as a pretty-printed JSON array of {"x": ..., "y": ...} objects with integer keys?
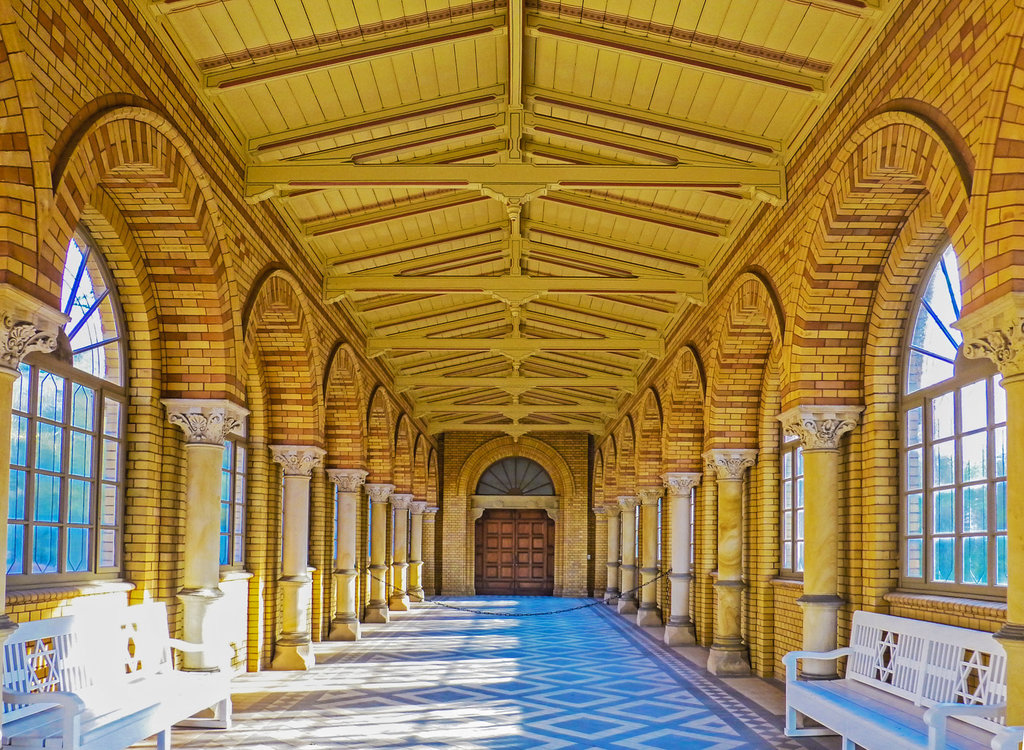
[{"x": 515, "y": 475}]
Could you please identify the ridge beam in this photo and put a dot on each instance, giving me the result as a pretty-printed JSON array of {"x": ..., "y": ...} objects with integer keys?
[
  {"x": 516, "y": 430},
  {"x": 513, "y": 385},
  {"x": 517, "y": 347},
  {"x": 514, "y": 411}
]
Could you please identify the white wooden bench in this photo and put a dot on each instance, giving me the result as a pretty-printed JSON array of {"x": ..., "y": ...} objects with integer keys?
[
  {"x": 92, "y": 683},
  {"x": 908, "y": 684}
]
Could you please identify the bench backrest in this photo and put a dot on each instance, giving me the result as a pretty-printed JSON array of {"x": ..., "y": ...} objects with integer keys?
[
  {"x": 928, "y": 663},
  {"x": 84, "y": 653}
]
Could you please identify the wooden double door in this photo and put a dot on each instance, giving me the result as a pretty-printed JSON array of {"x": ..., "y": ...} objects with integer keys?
[{"x": 515, "y": 553}]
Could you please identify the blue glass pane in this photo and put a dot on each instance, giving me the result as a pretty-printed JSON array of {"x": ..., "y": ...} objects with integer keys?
[
  {"x": 81, "y": 454},
  {"x": 47, "y": 499},
  {"x": 82, "y": 406},
  {"x": 943, "y": 554},
  {"x": 79, "y": 501},
  {"x": 51, "y": 396},
  {"x": 77, "y": 552},
  {"x": 225, "y": 517},
  {"x": 942, "y": 463},
  {"x": 16, "y": 506},
  {"x": 108, "y": 552},
  {"x": 19, "y": 440},
  {"x": 1001, "y": 569},
  {"x": 22, "y": 387},
  {"x": 976, "y": 508},
  {"x": 226, "y": 462},
  {"x": 999, "y": 437},
  {"x": 44, "y": 549},
  {"x": 15, "y": 549},
  {"x": 225, "y": 486},
  {"x": 915, "y": 514},
  {"x": 943, "y": 512},
  {"x": 225, "y": 557},
  {"x": 914, "y": 558},
  {"x": 1000, "y": 506},
  {"x": 49, "y": 441},
  {"x": 975, "y": 554}
]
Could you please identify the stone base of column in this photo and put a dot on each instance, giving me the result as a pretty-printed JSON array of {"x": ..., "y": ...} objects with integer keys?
[
  {"x": 648, "y": 616},
  {"x": 377, "y": 612},
  {"x": 821, "y": 626},
  {"x": 728, "y": 660},
  {"x": 198, "y": 621},
  {"x": 611, "y": 596},
  {"x": 294, "y": 652},
  {"x": 627, "y": 606},
  {"x": 416, "y": 595},
  {"x": 7, "y": 627},
  {"x": 399, "y": 603},
  {"x": 680, "y": 634},
  {"x": 344, "y": 629}
]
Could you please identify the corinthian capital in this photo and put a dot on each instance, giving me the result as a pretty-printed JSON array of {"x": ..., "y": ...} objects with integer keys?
[
  {"x": 298, "y": 460},
  {"x": 996, "y": 332},
  {"x": 402, "y": 501},
  {"x": 649, "y": 495},
  {"x": 347, "y": 480},
  {"x": 379, "y": 493},
  {"x": 628, "y": 502},
  {"x": 204, "y": 421},
  {"x": 820, "y": 427},
  {"x": 26, "y": 326},
  {"x": 730, "y": 464},
  {"x": 417, "y": 507},
  {"x": 681, "y": 482}
]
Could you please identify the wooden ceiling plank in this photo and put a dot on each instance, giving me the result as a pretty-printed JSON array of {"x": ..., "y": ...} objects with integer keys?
[
  {"x": 596, "y": 428},
  {"x": 619, "y": 247},
  {"x": 377, "y": 345},
  {"x": 336, "y": 264},
  {"x": 518, "y": 384},
  {"x": 515, "y": 411},
  {"x": 256, "y": 74},
  {"x": 376, "y": 215},
  {"x": 696, "y": 225}
]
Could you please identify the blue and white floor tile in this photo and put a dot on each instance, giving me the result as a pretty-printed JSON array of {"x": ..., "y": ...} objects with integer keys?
[{"x": 444, "y": 678}]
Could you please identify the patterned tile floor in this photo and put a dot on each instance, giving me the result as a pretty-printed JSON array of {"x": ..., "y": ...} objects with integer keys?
[{"x": 445, "y": 678}]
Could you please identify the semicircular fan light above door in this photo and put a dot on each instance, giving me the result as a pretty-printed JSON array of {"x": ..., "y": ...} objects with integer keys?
[{"x": 515, "y": 475}]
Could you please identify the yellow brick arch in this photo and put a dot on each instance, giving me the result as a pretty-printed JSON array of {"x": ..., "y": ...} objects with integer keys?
[
  {"x": 683, "y": 431},
  {"x": 344, "y": 428},
  {"x": 380, "y": 441},
  {"x": 625, "y": 457},
  {"x": 609, "y": 479},
  {"x": 143, "y": 165},
  {"x": 889, "y": 166},
  {"x": 402, "y": 475},
  {"x": 649, "y": 440}
]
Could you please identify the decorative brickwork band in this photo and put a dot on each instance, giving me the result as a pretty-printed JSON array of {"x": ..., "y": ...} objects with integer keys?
[
  {"x": 26, "y": 326},
  {"x": 649, "y": 495},
  {"x": 347, "y": 480},
  {"x": 730, "y": 464},
  {"x": 680, "y": 483},
  {"x": 820, "y": 427},
  {"x": 205, "y": 421},
  {"x": 996, "y": 332},
  {"x": 298, "y": 460},
  {"x": 379, "y": 493}
]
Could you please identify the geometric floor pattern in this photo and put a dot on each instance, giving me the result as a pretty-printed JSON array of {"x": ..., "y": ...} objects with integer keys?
[{"x": 446, "y": 678}]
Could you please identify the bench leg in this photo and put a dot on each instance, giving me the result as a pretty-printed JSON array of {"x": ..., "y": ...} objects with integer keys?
[
  {"x": 793, "y": 728},
  {"x": 221, "y": 718}
]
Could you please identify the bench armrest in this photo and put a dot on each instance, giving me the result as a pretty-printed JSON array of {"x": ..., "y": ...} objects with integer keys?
[
  {"x": 790, "y": 659},
  {"x": 936, "y": 716},
  {"x": 67, "y": 701},
  {"x": 1009, "y": 738},
  {"x": 221, "y": 653}
]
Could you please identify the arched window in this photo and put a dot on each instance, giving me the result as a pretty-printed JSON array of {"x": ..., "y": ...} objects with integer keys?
[
  {"x": 515, "y": 475},
  {"x": 67, "y": 441},
  {"x": 953, "y": 483}
]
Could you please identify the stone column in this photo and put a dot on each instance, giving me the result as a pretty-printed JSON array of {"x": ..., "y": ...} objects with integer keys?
[
  {"x": 345, "y": 623},
  {"x": 996, "y": 332},
  {"x": 377, "y": 609},
  {"x": 416, "y": 551},
  {"x": 649, "y": 613},
  {"x": 206, "y": 424},
  {"x": 294, "y": 649},
  {"x": 627, "y": 597},
  {"x": 729, "y": 655},
  {"x": 819, "y": 429},
  {"x": 428, "y": 577},
  {"x": 26, "y": 326},
  {"x": 611, "y": 592},
  {"x": 400, "y": 556},
  {"x": 679, "y": 630},
  {"x": 600, "y": 519}
]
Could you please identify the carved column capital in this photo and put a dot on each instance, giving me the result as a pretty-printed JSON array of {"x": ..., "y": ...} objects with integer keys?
[
  {"x": 730, "y": 464},
  {"x": 601, "y": 512},
  {"x": 26, "y": 326},
  {"x": 402, "y": 501},
  {"x": 204, "y": 421},
  {"x": 996, "y": 332},
  {"x": 681, "y": 483},
  {"x": 298, "y": 460},
  {"x": 820, "y": 427},
  {"x": 417, "y": 507},
  {"x": 347, "y": 480},
  {"x": 379, "y": 493},
  {"x": 430, "y": 514},
  {"x": 628, "y": 502},
  {"x": 650, "y": 495}
]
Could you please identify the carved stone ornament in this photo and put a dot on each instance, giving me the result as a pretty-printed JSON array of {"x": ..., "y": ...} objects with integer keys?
[
  {"x": 26, "y": 326},
  {"x": 600, "y": 511},
  {"x": 650, "y": 495},
  {"x": 417, "y": 507},
  {"x": 730, "y": 464},
  {"x": 298, "y": 460},
  {"x": 347, "y": 480},
  {"x": 996, "y": 332},
  {"x": 820, "y": 427},
  {"x": 401, "y": 501},
  {"x": 681, "y": 483},
  {"x": 628, "y": 502},
  {"x": 205, "y": 421},
  {"x": 379, "y": 493},
  {"x": 429, "y": 513}
]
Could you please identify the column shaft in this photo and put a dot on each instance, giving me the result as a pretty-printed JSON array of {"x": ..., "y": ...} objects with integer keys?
[
  {"x": 416, "y": 552},
  {"x": 611, "y": 592},
  {"x": 627, "y": 596},
  {"x": 1012, "y": 633},
  {"x": 377, "y": 609},
  {"x": 649, "y": 613},
  {"x": 345, "y": 620},
  {"x": 679, "y": 631},
  {"x": 400, "y": 555}
]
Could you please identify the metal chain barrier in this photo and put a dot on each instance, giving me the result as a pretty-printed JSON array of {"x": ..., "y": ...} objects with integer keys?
[{"x": 523, "y": 614}]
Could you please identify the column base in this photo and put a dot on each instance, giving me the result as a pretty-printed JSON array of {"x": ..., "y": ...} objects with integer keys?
[
  {"x": 377, "y": 612},
  {"x": 344, "y": 629},
  {"x": 627, "y": 607},
  {"x": 648, "y": 617},
  {"x": 680, "y": 634},
  {"x": 416, "y": 595},
  {"x": 728, "y": 661},
  {"x": 399, "y": 603},
  {"x": 293, "y": 653},
  {"x": 7, "y": 627},
  {"x": 611, "y": 596}
]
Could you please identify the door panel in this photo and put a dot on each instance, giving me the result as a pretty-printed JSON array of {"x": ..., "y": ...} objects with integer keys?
[{"x": 515, "y": 553}]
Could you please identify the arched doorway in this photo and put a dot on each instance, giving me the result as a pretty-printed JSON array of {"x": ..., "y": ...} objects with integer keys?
[{"x": 515, "y": 532}]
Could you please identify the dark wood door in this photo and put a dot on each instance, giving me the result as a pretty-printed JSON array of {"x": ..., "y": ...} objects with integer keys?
[{"x": 515, "y": 553}]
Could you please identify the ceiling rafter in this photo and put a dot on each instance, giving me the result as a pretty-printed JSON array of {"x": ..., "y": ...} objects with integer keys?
[
  {"x": 620, "y": 247},
  {"x": 863, "y": 8},
  {"x": 566, "y": 155},
  {"x": 430, "y": 136},
  {"x": 336, "y": 264},
  {"x": 519, "y": 347},
  {"x": 665, "y": 217},
  {"x": 455, "y": 155},
  {"x": 511, "y": 384},
  {"x": 515, "y": 411},
  {"x": 516, "y": 430},
  {"x": 377, "y": 214},
  {"x": 305, "y": 63},
  {"x": 735, "y": 67},
  {"x": 541, "y": 252}
]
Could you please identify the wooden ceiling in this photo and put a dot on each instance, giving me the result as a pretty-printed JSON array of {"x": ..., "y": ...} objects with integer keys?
[{"x": 518, "y": 199}]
